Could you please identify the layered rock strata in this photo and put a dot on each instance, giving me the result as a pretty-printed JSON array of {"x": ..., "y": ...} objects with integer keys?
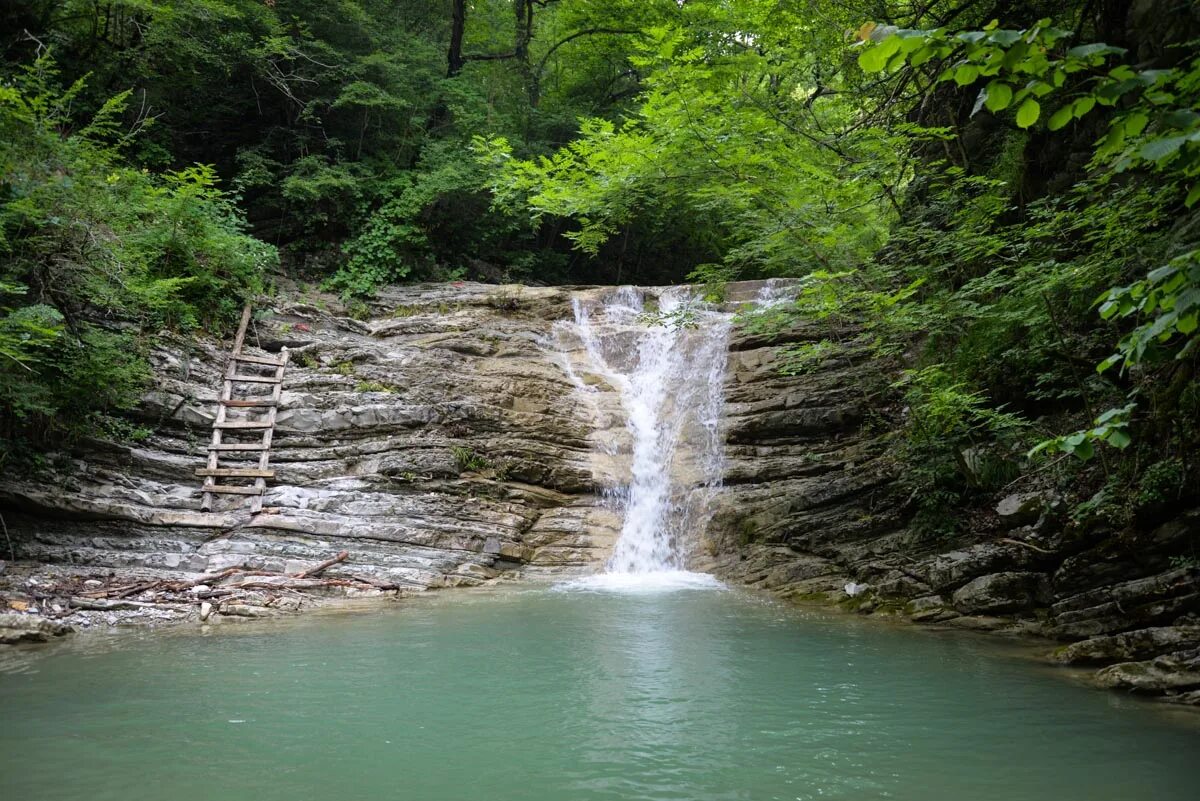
[
  {"x": 435, "y": 441},
  {"x": 440, "y": 442},
  {"x": 813, "y": 509}
]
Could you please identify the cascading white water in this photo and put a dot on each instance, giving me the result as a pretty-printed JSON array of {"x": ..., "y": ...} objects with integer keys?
[
  {"x": 776, "y": 292},
  {"x": 667, "y": 367}
]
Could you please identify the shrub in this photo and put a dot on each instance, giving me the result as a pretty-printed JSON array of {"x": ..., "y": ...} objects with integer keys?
[{"x": 92, "y": 253}]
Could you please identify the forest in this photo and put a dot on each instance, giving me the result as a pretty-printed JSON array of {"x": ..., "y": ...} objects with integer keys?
[{"x": 998, "y": 201}]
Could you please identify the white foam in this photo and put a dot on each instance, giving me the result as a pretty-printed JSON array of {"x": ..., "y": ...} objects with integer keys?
[{"x": 641, "y": 583}]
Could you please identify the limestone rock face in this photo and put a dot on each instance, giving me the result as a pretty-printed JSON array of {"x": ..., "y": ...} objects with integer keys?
[
  {"x": 441, "y": 443},
  {"x": 1169, "y": 672},
  {"x": 1002, "y": 592},
  {"x": 15, "y": 628},
  {"x": 437, "y": 441},
  {"x": 1129, "y": 646}
]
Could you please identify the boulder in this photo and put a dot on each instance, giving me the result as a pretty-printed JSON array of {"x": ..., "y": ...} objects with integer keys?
[
  {"x": 1130, "y": 646},
  {"x": 1002, "y": 592},
  {"x": 929, "y": 609},
  {"x": 16, "y": 628},
  {"x": 1023, "y": 508},
  {"x": 954, "y": 568},
  {"x": 1176, "y": 671}
]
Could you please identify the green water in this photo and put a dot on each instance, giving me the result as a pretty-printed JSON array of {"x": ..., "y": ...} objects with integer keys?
[{"x": 537, "y": 694}]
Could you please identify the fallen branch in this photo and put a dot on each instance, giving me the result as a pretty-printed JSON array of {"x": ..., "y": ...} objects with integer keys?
[
  {"x": 341, "y": 557},
  {"x": 137, "y": 588},
  {"x": 120, "y": 605},
  {"x": 1025, "y": 545}
]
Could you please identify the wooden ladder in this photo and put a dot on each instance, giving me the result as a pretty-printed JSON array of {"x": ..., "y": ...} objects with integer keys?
[{"x": 265, "y": 426}]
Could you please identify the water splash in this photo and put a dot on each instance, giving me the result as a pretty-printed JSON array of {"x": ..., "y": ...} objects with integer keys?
[
  {"x": 664, "y": 359},
  {"x": 776, "y": 292}
]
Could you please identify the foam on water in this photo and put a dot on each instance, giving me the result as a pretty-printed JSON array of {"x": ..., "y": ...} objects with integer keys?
[{"x": 642, "y": 583}]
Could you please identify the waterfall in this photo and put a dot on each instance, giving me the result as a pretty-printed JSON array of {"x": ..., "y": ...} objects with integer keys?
[{"x": 657, "y": 365}]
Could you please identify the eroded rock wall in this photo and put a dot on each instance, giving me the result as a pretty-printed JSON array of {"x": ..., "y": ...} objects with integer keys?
[
  {"x": 813, "y": 508},
  {"x": 435, "y": 441},
  {"x": 440, "y": 442}
]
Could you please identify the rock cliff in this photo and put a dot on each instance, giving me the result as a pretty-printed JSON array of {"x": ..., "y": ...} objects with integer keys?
[
  {"x": 435, "y": 441},
  {"x": 439, "y": 442},
  {"x": 813, "y": 510}
]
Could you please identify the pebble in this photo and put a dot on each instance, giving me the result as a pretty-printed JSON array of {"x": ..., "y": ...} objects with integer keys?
[
  {"x": 93, "y": 583},
  {"x": 205, "y": 610},
  {"x": 199, "y": 588}
]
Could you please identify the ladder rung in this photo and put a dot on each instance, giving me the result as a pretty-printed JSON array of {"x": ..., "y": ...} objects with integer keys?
[
  {"x": 243, "y": 424},
  {"x": 224, "y": 489},
  {"x": 234, "y": 446},
  {"x": 254, "y": 379},
  {"x": 250, "y": 404},
  {"x": 236, "y": 472},
  {"x": 258, "y": 360}
]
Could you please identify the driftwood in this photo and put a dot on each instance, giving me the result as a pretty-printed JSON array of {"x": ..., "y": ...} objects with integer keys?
[
  {"x": 165, "y": 592},
  {"x": 341, "y": 557},
  {"x": 1031, "y": 547},
  {"x": 121, "y": 605}
]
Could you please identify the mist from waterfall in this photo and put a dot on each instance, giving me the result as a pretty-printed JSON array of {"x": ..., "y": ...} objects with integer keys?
[{"x": 666, "y": 364}]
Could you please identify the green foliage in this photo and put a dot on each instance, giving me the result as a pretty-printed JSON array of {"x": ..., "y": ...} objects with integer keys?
[
  {"x": 374, "y": 386},
  {"x": 92, "y": 251},
  {"x": 728, "y": 148},
  {"x": 1161, "y": 483},
  {"x": 468, "y": 460},
  {"x": 1111, "y": 427},
  {"x": 1158, "y": 129},
  {"x": 1170, "y": 295},
  {"x": 954, "y": 441}
]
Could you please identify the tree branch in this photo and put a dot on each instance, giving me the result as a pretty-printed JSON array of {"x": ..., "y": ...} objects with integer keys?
[{"x": 541, "y": 65}]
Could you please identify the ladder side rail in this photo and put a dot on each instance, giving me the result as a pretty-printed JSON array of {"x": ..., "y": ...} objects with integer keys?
[{"x": 264, "y": 458}]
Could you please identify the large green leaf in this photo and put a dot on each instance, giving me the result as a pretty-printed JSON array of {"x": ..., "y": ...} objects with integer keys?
[{"x": 1028, "y": 112}]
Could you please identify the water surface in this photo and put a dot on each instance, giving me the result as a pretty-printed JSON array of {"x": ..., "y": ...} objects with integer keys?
[{"x": 574, "y": 695}]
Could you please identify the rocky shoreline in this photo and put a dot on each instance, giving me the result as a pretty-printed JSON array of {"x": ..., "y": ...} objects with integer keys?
[
  {"x": 46, "y": 602},
  {"x": 438, "y": 443},
  {"x": 41, "y": 602}
]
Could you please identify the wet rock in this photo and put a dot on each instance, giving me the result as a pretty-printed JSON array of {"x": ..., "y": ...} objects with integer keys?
[
  {"x": 371, "y": 418},
  {"x": 1130, "y": 646},
  {"x": 1190, "y": 697},
  {"x": 1002, "y": 592},
  {"x": 954, "y": 568},
  {"x": 979, "y": 622},
  {"x": 1176, "y": 671},
  {"x": 1023, "y": 508},
  {"x": 15, "y": 628},
  {"x": 246, "y": 610},
  {"x": 896, "y": 584},
  {"x": 206, "y": 609},
  {"x": 929, "y": 609},
  {"x": 1139, "y": 603}
]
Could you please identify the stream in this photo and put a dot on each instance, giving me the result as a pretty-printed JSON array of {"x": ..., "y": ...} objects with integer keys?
[{"x": 645, "y": 692}]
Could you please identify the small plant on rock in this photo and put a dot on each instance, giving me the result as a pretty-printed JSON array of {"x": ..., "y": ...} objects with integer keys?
[{"x": 468, "y": 460}]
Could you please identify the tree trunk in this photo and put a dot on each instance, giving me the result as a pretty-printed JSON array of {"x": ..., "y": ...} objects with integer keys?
[{"x": 458, "y": 24}]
